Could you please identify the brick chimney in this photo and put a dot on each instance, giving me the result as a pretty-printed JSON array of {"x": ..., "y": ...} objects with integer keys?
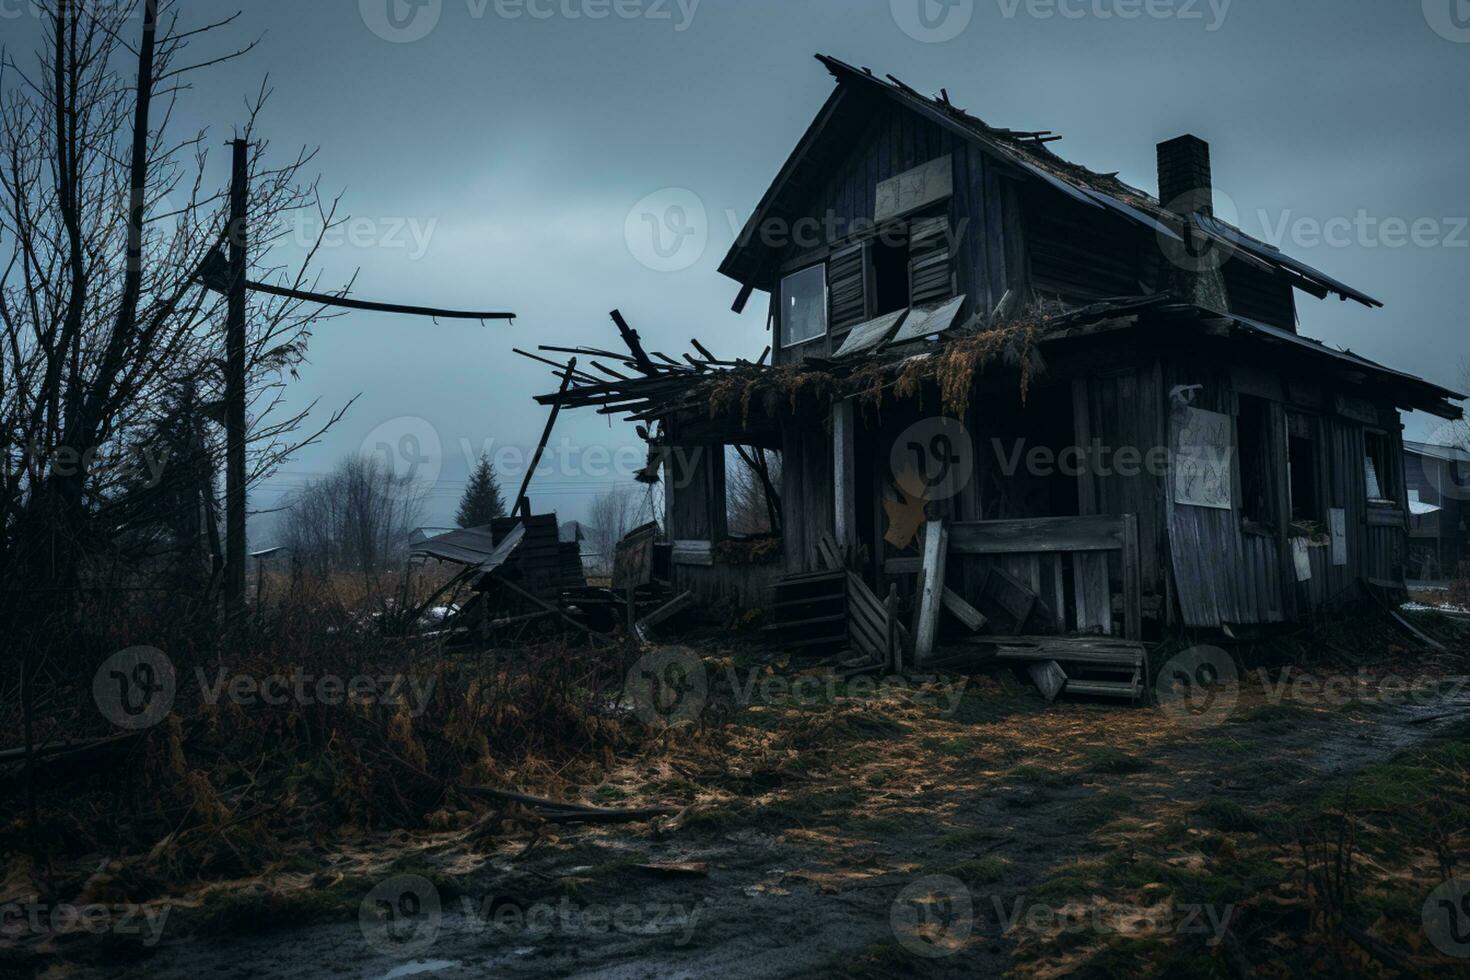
[
  {"x": 1186, "y": 188},
  {"x": 1184, "y": 175}
]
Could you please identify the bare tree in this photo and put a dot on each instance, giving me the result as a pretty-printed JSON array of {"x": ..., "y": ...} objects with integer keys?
[
  {"x": 612, "y": 517},
  {"x": 107, "y": 339},
  {"x": 357, "y": 519},
  {"x": 749, "y": 508}
]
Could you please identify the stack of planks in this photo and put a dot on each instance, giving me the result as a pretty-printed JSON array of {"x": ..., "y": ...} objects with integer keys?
[{"x": 810, "y": 611}]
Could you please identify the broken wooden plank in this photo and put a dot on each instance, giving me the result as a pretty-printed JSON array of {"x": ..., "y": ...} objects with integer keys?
[
  {"x": 1050, "y": 677},
  {"x": 677, "y": 869},
  {"x": 895, "y": 646},
  {"x": 1130, "y": 659},
  {"x": 1378, "y": 594},
  {"x": 662, "y": 614},
  {"x": 1104, "y": 689},
  {"x": 931, "y": 594},
  {"x": 694, "y": 553},
  {"x": 957, "y": 607},
  {"x": 1004, "y": 593},
  {"x": 829, "y": 552}
]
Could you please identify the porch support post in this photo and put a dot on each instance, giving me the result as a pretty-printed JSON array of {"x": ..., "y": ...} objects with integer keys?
[{"x": 844, "y": 477}]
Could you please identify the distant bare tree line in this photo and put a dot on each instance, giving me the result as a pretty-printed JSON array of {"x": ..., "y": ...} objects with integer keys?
[{"x": 357, "y": 519}]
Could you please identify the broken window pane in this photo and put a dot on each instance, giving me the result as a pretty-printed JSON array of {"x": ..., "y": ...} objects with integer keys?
[{"x": 804, "y": 305}]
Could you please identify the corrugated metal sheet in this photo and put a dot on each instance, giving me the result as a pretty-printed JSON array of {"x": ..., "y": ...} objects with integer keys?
[{"x": 473, "y": 546}]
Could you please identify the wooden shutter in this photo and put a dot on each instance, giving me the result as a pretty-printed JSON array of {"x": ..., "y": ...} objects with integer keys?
[
  {"x": 847, "y": 289},
  {"x": 931, "y": 269}
]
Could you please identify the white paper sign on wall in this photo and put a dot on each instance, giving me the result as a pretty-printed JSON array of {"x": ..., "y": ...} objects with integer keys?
[{"x": 1203, "y": 458}]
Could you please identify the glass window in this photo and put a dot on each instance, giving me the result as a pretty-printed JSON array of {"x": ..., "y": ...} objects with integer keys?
[
  {"x": 804, "y": 306},
  {"x": 1382, "y": 487}
]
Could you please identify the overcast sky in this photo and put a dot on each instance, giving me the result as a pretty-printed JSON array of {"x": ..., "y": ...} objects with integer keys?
[{"x": 496, "y": 153}]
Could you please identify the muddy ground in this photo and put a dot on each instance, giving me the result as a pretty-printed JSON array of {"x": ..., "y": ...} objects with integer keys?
[{"x": 953, "y": 827}]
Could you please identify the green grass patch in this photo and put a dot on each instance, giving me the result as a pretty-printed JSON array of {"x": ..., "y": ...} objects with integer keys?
[
  {"x": 960, "y": 745},
  {"x": 978, "y": 871},
  {"x": 1098, "y": 809},
  {"x": 1036, "y": 775},
  {"x": 1106, "y": 759},
  {"x": 1231, "y": 817}
]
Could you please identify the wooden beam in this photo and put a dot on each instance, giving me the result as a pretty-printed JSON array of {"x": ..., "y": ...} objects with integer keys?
[
  {"x": 844, "y": 469},
  {"x": 963, "y": 611},
  {"x": 931, "y": 594},
  {"x": 522, "y": 503},
  {"x": 1132, "y": 580}
]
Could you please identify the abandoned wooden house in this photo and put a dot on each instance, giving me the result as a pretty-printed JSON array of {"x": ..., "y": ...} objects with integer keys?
[
  {"x": 1438, "y": 484},
  {"x": 1008, "y": 386}
]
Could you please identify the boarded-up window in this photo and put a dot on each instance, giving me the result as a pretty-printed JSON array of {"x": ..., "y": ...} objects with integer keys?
[
  {"x": 931, "y": 267},
  {"x": 847, "y": 288},
  {"x": 804, "y": 306}
]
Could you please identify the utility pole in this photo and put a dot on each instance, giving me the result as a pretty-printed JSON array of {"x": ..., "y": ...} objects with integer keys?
[{"x": 235, "y": 382}]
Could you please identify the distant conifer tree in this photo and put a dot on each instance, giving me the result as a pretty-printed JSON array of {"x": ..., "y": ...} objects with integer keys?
[{"x": 482, "y": 501}]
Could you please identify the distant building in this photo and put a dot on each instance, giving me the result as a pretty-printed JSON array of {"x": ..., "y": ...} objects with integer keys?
[{"x": 1438, "y": 479}]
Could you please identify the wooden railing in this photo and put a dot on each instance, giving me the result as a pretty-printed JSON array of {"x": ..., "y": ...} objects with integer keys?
[{"x": 1086, "y": 541}]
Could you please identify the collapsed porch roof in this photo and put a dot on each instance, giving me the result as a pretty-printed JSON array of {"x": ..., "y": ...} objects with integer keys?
[{"x": 659, "y": 391}]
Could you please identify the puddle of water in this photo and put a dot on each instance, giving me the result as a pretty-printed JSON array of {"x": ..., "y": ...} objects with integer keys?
[{"x": 417, "y": 967}]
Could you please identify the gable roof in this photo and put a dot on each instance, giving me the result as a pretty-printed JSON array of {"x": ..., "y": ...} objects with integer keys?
[
  {"x": 1430, "y": 450},
  {"x": 1025, "y": 152}
]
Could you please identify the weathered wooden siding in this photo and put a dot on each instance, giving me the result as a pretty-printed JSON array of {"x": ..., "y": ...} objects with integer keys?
[
  {"x": 806, "y": 491},
  {"x": 743, "y": 585},
  {"x": 1124, "y": 408},
  {"x": 696, "y": 493},
  {"x": 984, "y": 205},
  {"x": 1224, "y": 574}
]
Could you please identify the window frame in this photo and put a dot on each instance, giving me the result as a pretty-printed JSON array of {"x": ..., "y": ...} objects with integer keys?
[
  {"x": 786, "y": 342},
  {"x": 1388, "y": 479}
]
